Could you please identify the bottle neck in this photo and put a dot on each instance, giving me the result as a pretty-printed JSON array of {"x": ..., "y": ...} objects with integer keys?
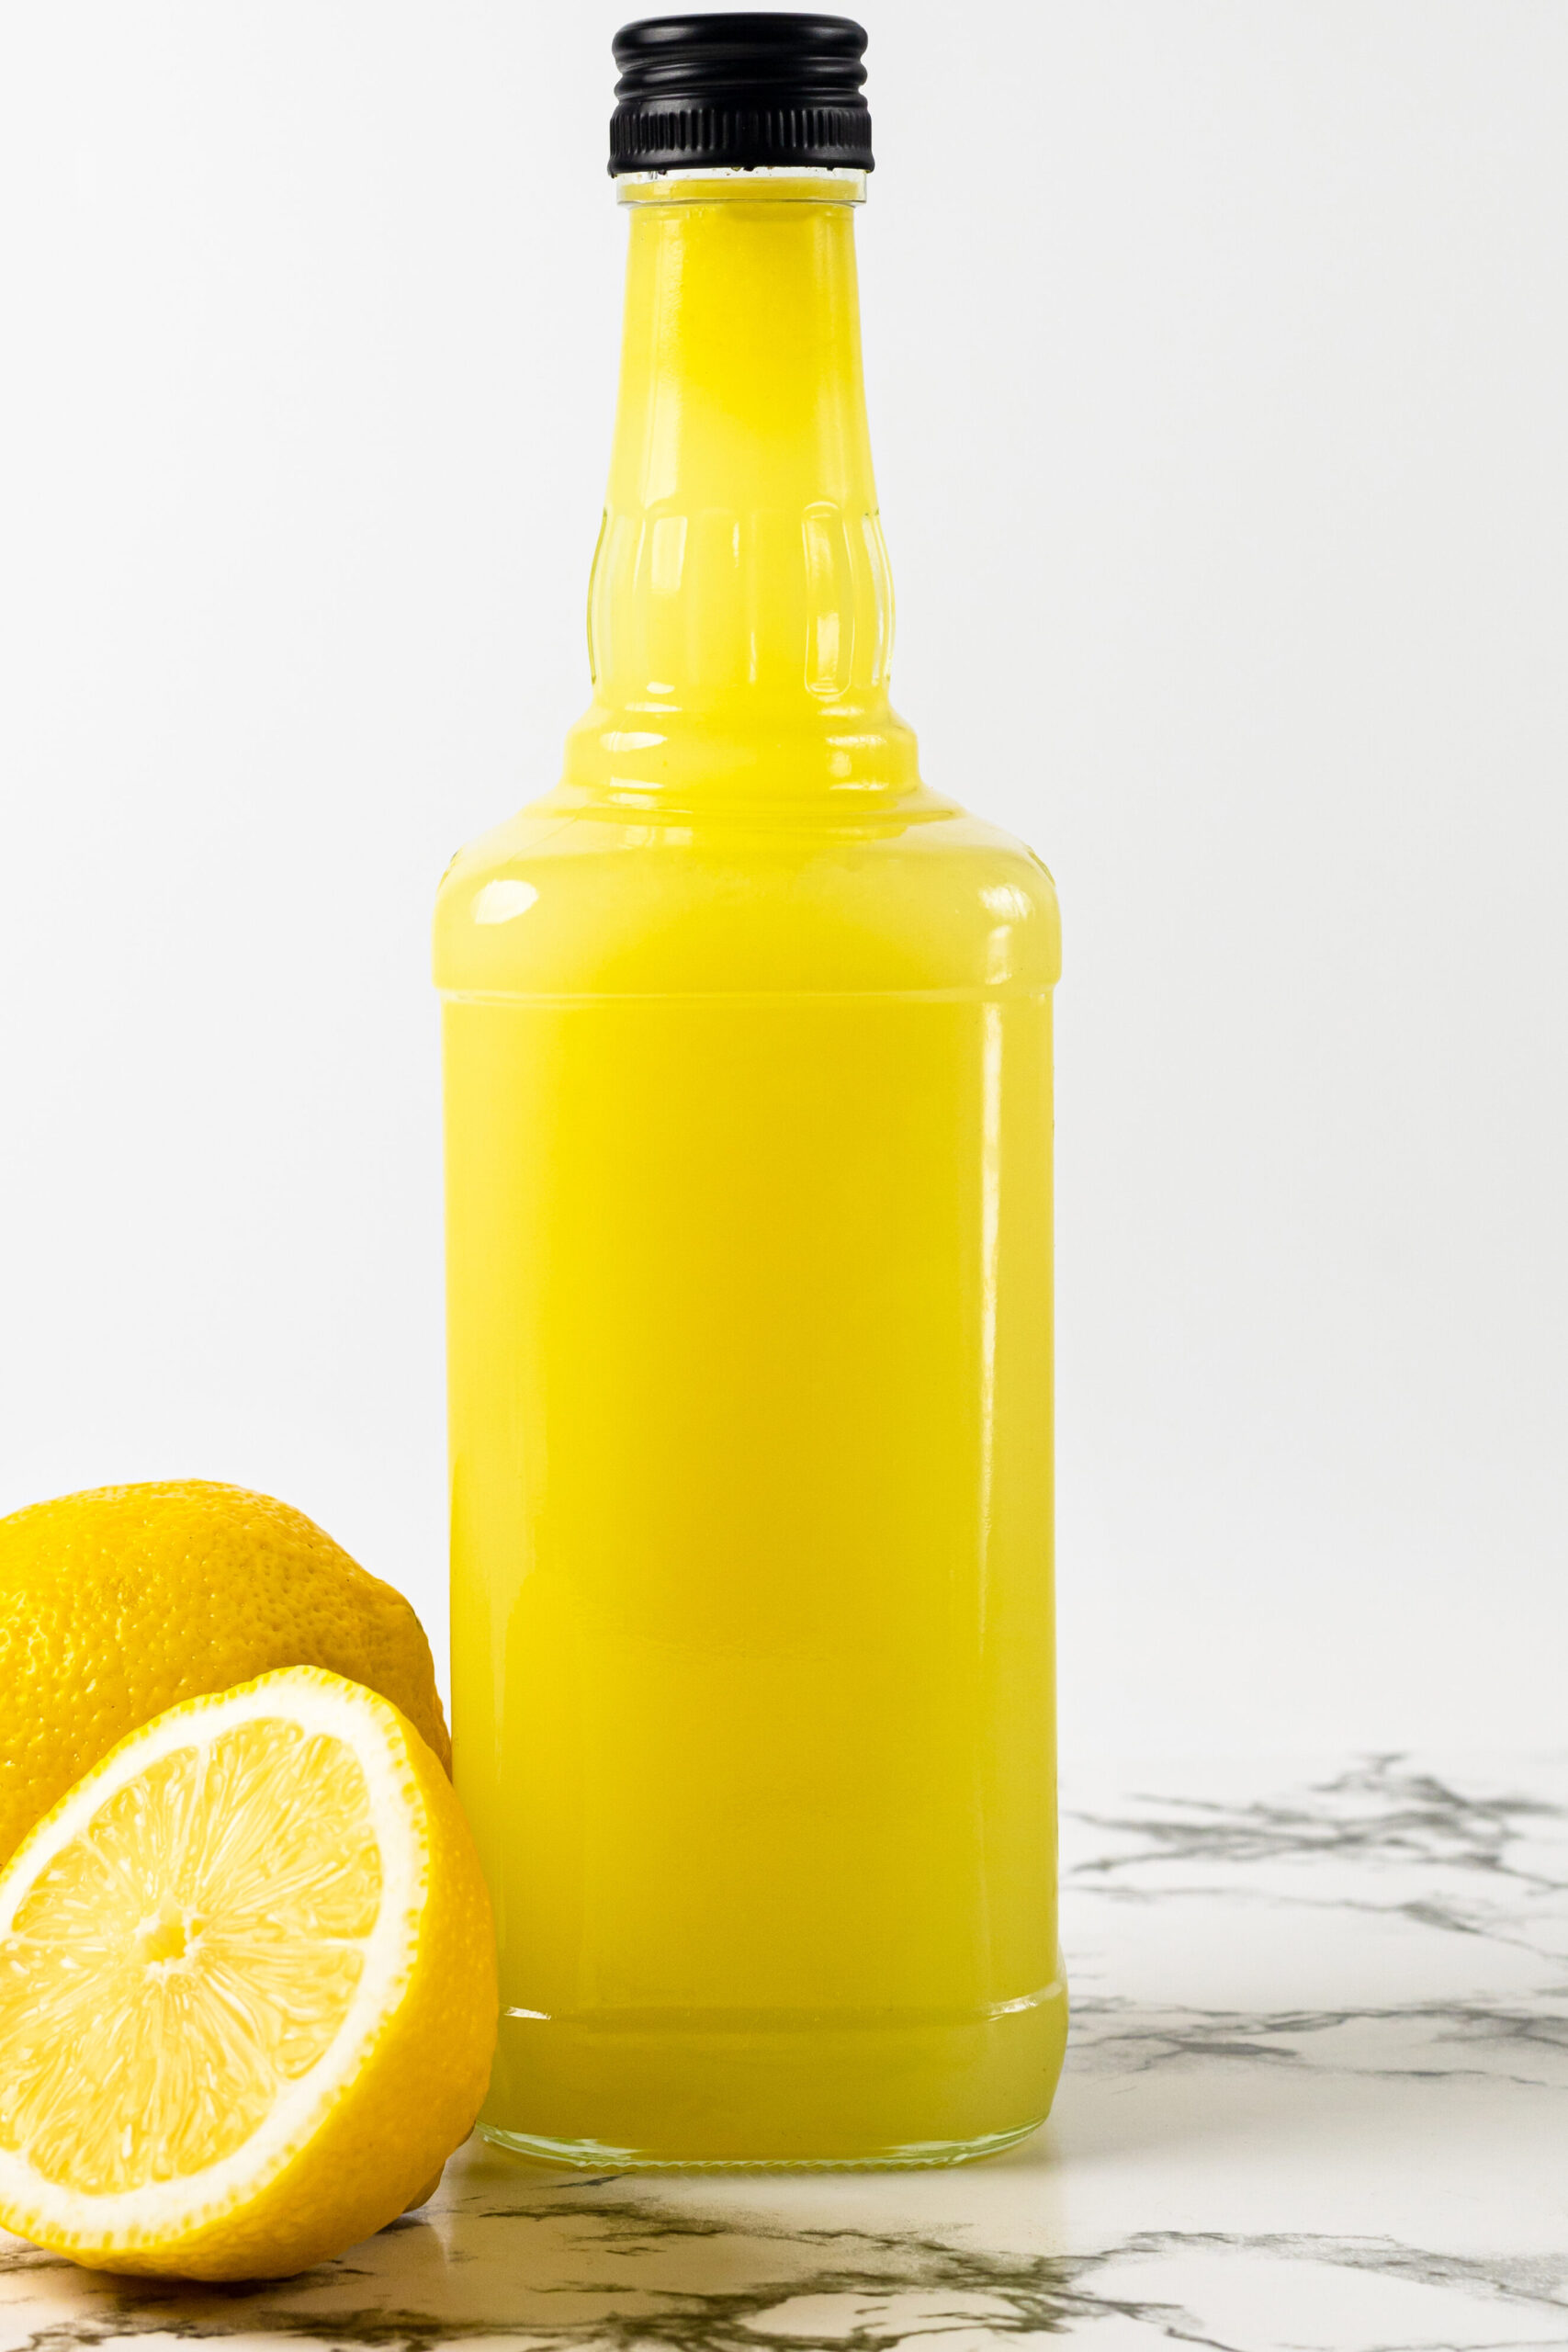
[{"x": 741, "y": 613}]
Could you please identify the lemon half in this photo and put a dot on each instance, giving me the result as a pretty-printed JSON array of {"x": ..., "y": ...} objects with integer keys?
[{"x": 247, "y": 1987}]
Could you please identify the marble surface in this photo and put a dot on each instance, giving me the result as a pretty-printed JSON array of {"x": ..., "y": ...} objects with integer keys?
[{"x": 1317, "y": 2095}]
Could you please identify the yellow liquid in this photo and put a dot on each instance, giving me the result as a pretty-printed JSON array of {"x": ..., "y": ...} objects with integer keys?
[{"x": 748, "y": 1129}]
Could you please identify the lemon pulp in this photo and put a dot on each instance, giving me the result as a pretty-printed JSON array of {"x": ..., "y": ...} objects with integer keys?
[{"x": 194, "y": 1948}]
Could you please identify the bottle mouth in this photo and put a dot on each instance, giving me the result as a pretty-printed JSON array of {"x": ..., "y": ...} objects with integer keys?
[
  {"x": 759, "y": 183},
  {"x": 740, "y": 93}
]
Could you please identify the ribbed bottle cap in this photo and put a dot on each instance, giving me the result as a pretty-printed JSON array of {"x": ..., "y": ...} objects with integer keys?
[{"x": 738, "y": 92}]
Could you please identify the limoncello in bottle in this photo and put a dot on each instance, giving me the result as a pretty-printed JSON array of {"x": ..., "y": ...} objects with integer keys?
[{"x": 748, "y": 1039}]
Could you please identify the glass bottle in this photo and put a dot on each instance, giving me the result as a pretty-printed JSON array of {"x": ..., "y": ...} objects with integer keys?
[{"x": 748, "y": 1039}]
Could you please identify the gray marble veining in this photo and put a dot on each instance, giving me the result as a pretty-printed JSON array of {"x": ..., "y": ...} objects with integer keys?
[{"x": 1316, "y": 2097}]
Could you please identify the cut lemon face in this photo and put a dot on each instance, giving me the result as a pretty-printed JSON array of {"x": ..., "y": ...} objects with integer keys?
[{"x": 247, "y": 1987}]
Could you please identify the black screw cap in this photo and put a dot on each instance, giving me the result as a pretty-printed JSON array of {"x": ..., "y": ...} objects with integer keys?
[{"x": 738, "y": 92}]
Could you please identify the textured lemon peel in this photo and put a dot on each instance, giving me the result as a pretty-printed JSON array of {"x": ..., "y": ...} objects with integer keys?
[{"x": 119, "y": 1603}]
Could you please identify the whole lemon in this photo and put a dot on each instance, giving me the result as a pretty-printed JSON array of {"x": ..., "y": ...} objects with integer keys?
[{"x": 121, "y": 1602}]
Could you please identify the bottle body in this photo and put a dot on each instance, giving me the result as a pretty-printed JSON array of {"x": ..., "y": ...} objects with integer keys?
[{"x": 749, "y": 1133}]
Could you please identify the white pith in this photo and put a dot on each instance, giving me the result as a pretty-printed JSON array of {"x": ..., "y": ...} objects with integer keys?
[{"x": 317, "y": 1703}]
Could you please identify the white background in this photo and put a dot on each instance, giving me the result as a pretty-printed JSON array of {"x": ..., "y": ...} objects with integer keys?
[{"x": 1218, "y": 358}]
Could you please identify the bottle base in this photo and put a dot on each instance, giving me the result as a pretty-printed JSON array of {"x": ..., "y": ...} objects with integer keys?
[
  {"x": 593, "y": 2155},
  {"x": 775, "y": 2091}
]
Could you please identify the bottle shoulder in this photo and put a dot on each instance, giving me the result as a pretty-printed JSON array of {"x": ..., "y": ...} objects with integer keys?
[{"x": 593, "y": 900}]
